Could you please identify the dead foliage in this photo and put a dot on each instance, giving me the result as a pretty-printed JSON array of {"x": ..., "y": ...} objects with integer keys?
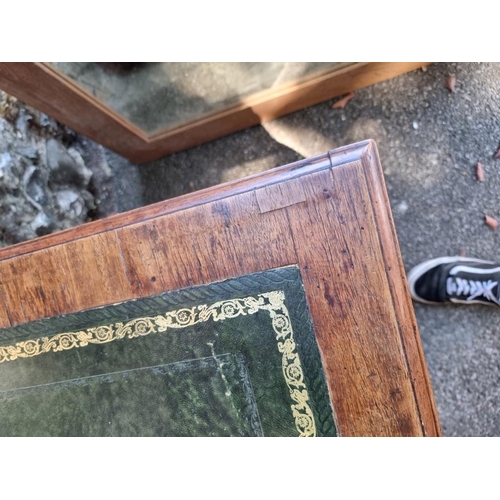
[
  {"x": 480, "y": 172},
  {"x": 451, "y": 82},
  {"x": 491, "y": 222},
  {"x": 342, "y": 103}
]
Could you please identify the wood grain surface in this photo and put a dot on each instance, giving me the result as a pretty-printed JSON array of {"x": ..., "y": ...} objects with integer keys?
[
  {"x": 330, "y": 215},
  {"x": 45, "y": 88}
]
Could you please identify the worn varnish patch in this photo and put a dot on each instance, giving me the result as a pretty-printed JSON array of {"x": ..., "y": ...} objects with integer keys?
[
  {"x": 280, "y": 195},
  {"x": 84, "y": 273}
]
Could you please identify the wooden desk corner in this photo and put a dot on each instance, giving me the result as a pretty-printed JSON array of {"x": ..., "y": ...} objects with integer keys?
[{"x": 327, "y": 219}]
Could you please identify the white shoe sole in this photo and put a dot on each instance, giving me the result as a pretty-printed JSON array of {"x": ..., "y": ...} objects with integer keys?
[{"x": 422, "y": 268}]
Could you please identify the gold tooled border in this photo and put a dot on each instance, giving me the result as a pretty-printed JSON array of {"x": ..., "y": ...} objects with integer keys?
[{"x": 273, "y": 302}]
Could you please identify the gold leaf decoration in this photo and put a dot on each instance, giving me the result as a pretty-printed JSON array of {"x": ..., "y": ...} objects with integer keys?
[{"x": 272, "y": 302}]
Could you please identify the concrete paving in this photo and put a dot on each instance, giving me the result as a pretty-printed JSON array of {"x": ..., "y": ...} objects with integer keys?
[{"x": 430, "y": 141}]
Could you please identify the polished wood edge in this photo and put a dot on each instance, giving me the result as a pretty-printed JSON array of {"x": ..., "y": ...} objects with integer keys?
[
  {"x": 256, "y": 99},
  {"x": 281, "y": 174},
  {"x": 100, "y": 106},
  {"x": 44, "y": 87},
  {"x": 272, "y": 104},
  {"x": 402, "y": 302}
]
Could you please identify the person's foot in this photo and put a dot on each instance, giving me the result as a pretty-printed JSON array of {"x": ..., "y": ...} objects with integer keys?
[{"x": 461, "y": 280}]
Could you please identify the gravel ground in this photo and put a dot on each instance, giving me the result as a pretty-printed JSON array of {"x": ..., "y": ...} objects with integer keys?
[{"x": 430, "y": 141}]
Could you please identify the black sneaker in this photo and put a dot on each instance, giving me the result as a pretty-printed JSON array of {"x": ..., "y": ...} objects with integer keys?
[{"x": 461, "y": 280}]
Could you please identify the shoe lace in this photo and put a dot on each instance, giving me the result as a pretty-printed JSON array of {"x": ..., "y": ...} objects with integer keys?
[{"x": 472, "y": 288}]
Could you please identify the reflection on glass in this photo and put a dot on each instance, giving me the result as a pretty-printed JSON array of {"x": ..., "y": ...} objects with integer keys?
[{"x": 157, "y": 96}]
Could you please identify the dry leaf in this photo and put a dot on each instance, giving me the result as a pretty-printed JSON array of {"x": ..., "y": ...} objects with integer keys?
[
  {"x": 451, "y": 81},
  {"x": 480, "y": 172},
  {"x": 490, "y": 222},
  {"x": 342, "y": 103},
  {"x": 462, "y": 252},
  {"x": 497, "y": 154}
]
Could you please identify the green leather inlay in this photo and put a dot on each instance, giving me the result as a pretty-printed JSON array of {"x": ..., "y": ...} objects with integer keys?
[{"x": 237, "y": 357}]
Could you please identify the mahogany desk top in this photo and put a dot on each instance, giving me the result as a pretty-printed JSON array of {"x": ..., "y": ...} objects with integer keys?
[{"x": 309, "y": 248}]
